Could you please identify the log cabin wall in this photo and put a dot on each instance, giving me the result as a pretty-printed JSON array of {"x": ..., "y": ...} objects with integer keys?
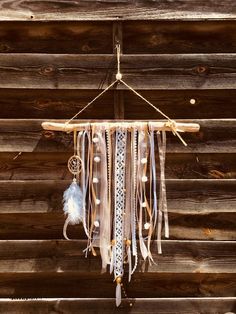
[{"x": 54, "y": 57}]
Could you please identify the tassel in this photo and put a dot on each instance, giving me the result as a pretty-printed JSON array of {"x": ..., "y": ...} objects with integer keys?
[
  {"x": 73, "y": 205},
  {"x": 118, "y": 291}
]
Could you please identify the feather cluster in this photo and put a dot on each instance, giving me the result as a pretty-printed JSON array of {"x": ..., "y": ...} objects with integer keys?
[{"x": 73, "y": 204}]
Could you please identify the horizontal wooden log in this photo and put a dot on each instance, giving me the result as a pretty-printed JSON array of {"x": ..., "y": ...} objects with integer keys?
[
  {"x": 57, "y": 37},
  {"x": 86, "y": 306},
  {"x": 199, "y": 166},
  {"x": 198, "y": 209},
  {"x": 36, "y": 226},
  {"x": 63, "y": 104},
  {"x": 184, "y": 196},
  {"x": 78, "y": 10},
  {"x": 178, "y": 104},
  {"x": 54, "y": 104},
  {"x": 157, "y": 72},
  {"x": 178, "y": 37},
  {"x": 50, "y": 166},
  {"x": 67, "y": 256},
  {"x": 138, "y": 37},
  {"x": 28, "y": 136},
  {"x": 201, "y": 226},
  {"x": 160, "y": 126},
  {"x": 94, "y": 285}
]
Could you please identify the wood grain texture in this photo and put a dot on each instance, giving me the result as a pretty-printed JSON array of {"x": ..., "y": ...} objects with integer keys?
[
  {"x": 37, "y": 226},
  {"x": 54, "y": 104},
  {"x": 78, "y": 10},
  {"x": 184, "y": 196},
  {"x": 49, "y": 166},
  {"x": 119, "y": 107},
  {"x": 134, "y": 306},
  {"x": 56, "y": 37},
  {"x": 143, "y": 285},
  {"x": 208, "y": 104},
  {"x": 55, "y": 57},
  {"x": 63, "y": 104},
  {"x": 179, "y": 37},
  {"x": 67, "y": 256},
  {"x": 157, "y": 72},
  {"x": 200, "y": 226},
  {"x": 28, "y": 136},
  {"x": 198, "y": 209}
]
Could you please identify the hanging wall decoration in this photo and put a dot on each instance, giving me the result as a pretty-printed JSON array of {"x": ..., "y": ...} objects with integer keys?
[{"x": 116, "y": 174}]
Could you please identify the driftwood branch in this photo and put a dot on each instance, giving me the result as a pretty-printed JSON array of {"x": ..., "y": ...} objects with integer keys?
[{"x": 156, "y": 125}]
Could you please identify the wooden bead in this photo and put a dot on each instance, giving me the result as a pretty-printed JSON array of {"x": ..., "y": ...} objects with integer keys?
[{"x": 128, "y": 242}]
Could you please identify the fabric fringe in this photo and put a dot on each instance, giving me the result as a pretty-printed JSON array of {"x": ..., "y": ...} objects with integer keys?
[{"x": 118, "y": 200}]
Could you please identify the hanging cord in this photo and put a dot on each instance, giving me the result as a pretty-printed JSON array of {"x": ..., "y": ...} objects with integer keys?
[
  {"x": 170, "y": 123},
  {"x": 118, "y": 74},
  {"x": 90, "y": 103}
]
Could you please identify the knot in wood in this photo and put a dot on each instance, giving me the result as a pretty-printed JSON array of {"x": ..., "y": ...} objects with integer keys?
[
  {"x": 199, "y": 135},
  {"x": 202, "y": 69},
  {"x": 43, "y": 103},
  {"x": 86, "y": 48},
  {"x": 48, "y": 134},
  {"x": 4, "y": 47},
  {"x": 48, "y": 70}
]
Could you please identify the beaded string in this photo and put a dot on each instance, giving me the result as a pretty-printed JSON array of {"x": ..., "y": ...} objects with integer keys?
[
  {"x": 125, "y": 295},
  {"x": 108, "y": 138},
  {"x": 134, "y": 204},
  {"x": 92, "y": 101}
]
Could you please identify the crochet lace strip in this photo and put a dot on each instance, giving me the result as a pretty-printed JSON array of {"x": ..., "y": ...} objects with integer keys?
[{"x": 119, "y": 205}]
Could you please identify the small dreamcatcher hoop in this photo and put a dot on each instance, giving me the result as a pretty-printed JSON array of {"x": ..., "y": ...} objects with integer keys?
[{"x": 75, "y": 164}]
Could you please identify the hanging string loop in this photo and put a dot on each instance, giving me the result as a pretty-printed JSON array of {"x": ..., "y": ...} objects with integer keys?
[
  {"x": 118, "y": 74},
  {"x": 170, "y": 123}
]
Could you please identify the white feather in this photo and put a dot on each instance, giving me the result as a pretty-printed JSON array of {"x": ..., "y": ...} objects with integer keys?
[{"x": 73, "y": 203}]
